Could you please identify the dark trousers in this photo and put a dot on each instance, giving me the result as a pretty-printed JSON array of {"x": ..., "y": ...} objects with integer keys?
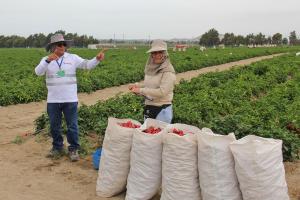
[{"x": 69, "y": 110}]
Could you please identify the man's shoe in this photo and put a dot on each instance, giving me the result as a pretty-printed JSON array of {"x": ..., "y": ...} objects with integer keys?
[
  {"x": 73, "y": 155},
  {"x": 56, "y": 153}
]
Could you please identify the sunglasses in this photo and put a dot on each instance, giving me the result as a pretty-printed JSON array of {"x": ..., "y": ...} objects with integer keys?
[
  {"x": 60, "y": 44},
  {"x": 156, "y": 52}
]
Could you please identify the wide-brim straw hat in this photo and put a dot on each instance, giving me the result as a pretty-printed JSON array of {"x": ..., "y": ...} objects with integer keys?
[
  {"x": 158, "y": 45},
  {"x": 56, "y": 38}
]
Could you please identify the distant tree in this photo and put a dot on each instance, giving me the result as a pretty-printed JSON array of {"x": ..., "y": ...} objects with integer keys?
[
  {"x": 277, "y": 38},
  {"x": 210, "y": 38},
  {"x": 249, "y": 40},
  {"x": 19, "y": 41},
  {"x": 229, "y": 39},
  {"x": 2, "y": 40},
  {"x": 61, "y": 32},
  {"x": 268, "y": 40},
  {"x": 293, "y": 38},
  {"x": 239, "y": 40},
  {"x": 41, "y": 40},
  {"x": 259, "y": 39},
  {"x": 285, "y": 41}
]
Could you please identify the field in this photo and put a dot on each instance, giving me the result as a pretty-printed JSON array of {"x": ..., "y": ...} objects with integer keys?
[
  {"x": 19, "y": 84},
  {"x": 262, "y": 98}
]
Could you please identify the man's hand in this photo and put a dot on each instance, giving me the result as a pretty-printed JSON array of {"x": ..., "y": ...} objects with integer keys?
[
  {"x": 52, "y": 56},
  {"x": 100, "y": 55}
]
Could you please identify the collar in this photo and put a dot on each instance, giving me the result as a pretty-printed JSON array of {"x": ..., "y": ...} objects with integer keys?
[{"x": 66, "y": 55}]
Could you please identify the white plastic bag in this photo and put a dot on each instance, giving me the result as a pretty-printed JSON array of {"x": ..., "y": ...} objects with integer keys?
[
  {"x": 179, "y": 164},
  {"x": 115, "y": 158},
  {"x": 144, "y": 179},
  {"x": 217, "y": 175},
  {"x": 259, "y": 168}
]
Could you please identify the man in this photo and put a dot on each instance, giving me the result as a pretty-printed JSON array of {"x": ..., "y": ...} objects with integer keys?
[{"x": 60, "y": 70}]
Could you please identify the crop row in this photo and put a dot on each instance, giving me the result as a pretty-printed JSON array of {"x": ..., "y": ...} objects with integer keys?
[{"x": 19, "y": 84}]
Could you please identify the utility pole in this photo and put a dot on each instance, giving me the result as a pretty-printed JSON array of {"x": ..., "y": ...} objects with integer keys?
[
  {"x": 114, "y": 39},
  {"x": 149, "y": 40}
]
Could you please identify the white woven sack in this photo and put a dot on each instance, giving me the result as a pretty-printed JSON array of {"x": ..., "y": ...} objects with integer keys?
[
  {"x": 217, "y": 175},
  {"x": 259, "y": 168},
  {"x": 115, "y": 158},
  {"x": 179, "y": 164},
  {"x": 144, "y": 179}
]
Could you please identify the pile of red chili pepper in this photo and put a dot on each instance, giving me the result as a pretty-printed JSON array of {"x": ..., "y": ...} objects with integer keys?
[
  {"x": 152, "y": 130},
  {"x": 178, "y": 132},
  {"x": 129, "y": 124}
]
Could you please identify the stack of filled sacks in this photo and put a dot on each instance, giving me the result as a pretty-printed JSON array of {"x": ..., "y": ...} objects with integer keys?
[
  {"x": 115, "y": 158},
  {"x": 217, "y": 175},
  {"x": 144, "y": 178},
  {"x": 179, "y": 163},
  {"x": 184, "y": 159},
  {"x": 259, "y": 168}
]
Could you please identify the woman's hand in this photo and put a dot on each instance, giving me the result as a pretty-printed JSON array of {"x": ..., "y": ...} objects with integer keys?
[
  {"x": 134, "y": 88},
  {"x": 130, "y": 86}
]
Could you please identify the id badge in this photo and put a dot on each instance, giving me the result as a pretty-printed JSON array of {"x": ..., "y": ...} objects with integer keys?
[{"x": 60, "y": 73}]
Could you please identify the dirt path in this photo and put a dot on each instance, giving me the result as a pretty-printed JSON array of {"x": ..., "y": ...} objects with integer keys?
[{"x": 25, "y": 173}]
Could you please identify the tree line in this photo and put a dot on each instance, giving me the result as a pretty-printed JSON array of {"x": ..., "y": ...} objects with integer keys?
[
  {"x": 213, "y": 38},
  {"x": 41, "y": 40},
  {"x": 210, "y": 38}
]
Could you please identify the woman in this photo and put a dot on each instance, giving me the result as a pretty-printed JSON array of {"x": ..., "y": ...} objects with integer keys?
[{"x": 158, "y": 84}]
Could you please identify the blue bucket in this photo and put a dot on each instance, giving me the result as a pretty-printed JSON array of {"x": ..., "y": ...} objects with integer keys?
[{"x": 96, "y": 158}]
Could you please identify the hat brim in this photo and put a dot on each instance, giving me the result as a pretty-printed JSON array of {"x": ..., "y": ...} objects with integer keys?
[
  {"x": 156, "y": 49},
  {"x": 69, "y": 43}
]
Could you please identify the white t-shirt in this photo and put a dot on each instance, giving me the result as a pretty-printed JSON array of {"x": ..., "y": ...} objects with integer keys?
[{"x": 61, "y": 76}]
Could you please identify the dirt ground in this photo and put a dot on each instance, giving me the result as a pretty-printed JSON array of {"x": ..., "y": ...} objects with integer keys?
[{"x": 26, "y": 174}]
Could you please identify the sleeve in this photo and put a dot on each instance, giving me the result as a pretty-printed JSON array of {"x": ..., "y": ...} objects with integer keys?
[
  {"x": 84, "y": 63},
  {"x": 166, "y": 86},
  {"x": 42, "y": 67},
  {"x": 140, "y": 84}
]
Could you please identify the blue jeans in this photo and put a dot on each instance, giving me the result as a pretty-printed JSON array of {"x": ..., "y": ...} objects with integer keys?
[{"x": 69, "y": 110}]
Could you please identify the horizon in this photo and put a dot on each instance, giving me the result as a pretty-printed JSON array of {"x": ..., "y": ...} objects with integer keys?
[{"x": 147, "y": 39}]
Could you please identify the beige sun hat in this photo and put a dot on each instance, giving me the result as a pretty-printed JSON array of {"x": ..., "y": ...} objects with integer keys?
[
  {"x": 58, "y": 37},
  {"x": 158, "y": 45}
]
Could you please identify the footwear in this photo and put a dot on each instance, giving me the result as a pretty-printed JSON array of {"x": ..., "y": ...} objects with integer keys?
[
  {"x": 73, "y": 155},
  {"x": 56, "y": 153}
]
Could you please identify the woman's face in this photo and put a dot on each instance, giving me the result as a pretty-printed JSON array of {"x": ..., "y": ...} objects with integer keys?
[
  {"x": 60, "y": 48},
  {"x": 157, "y": 57}
]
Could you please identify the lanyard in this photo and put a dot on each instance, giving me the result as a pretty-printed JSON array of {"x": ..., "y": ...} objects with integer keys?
[{"x": 59, "y": 64}]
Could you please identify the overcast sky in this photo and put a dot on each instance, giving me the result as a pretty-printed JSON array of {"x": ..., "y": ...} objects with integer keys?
[{"x": 140, "y": 19}]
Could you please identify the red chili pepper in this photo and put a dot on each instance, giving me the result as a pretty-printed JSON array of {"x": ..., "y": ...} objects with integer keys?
[
  {"x": 129, "y": 124},
  {"x": 178, "y": 132},
  {"x": 152, "y": 130}
]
